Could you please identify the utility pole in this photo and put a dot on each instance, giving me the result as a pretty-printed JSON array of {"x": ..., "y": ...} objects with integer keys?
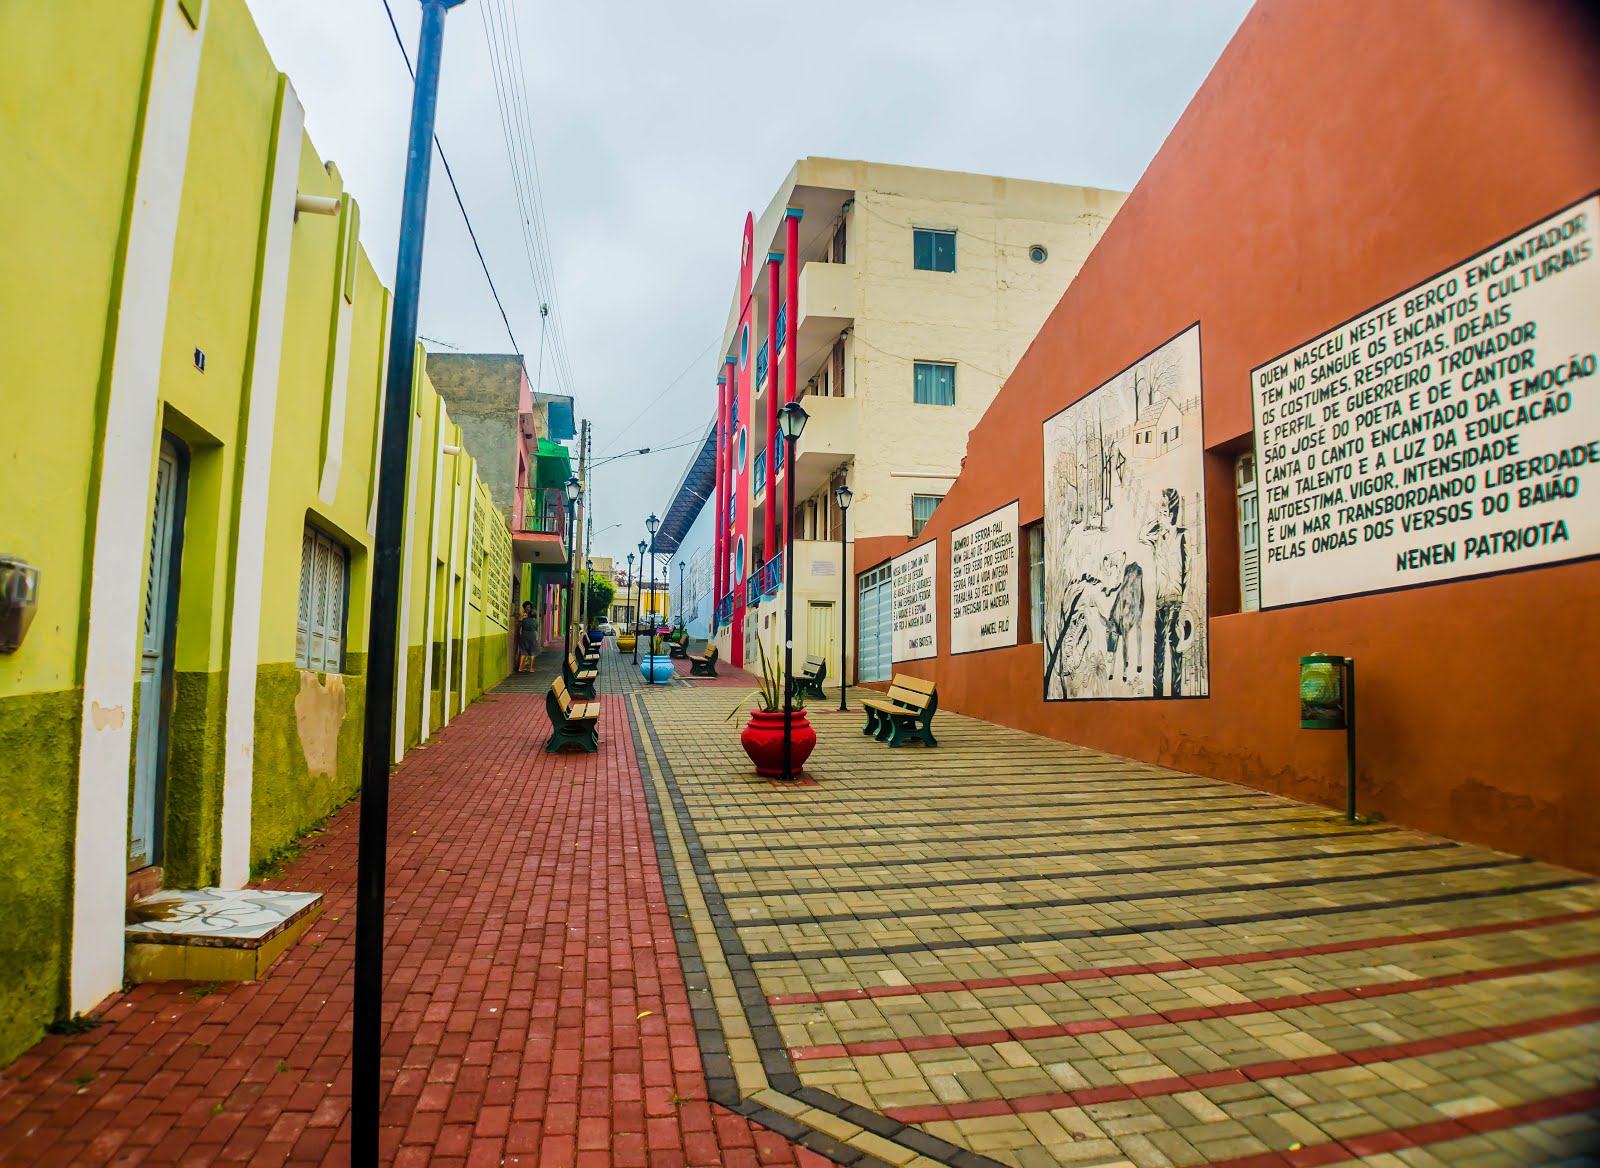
[
  {"x": 581, "y": 608},
  {"x": 383, "y": 633}
]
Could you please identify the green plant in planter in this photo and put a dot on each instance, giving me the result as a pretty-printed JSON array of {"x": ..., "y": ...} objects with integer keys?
[
  {"x": 771, "y": 691},
  {"x": 658, "y": 647}
]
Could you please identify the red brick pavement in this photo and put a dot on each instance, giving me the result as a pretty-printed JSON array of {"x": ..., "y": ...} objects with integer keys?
[{"x": 536, "y": 1012}]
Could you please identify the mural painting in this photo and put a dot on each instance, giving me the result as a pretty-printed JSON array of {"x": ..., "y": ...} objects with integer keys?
[{"x": 1124, "y": 531}]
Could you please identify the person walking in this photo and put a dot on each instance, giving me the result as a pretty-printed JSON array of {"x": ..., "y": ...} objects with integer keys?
[{"x": 527, "y": 638}]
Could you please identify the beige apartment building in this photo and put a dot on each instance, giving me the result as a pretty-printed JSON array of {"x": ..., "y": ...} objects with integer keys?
[{"x": 918, "y": 290}]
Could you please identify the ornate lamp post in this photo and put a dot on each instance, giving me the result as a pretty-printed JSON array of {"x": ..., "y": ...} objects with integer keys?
[
  {"x": 841, "y": 497},
  {"x": 630, "y": 584},
  {"x": 588, "y": 578},
  {"x": 639, "y": 602},
  {"x": 791, "y": 422},
  {"x": 651, "y": 525},
  {"x": 572, "y": 490}
]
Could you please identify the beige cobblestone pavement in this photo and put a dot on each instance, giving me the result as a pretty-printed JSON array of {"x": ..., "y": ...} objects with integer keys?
[{"x": 1011, "y": 950}]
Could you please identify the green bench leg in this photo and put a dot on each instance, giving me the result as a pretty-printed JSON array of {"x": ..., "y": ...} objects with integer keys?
[
  {"x": 568, "y": 735},
  {"x": 872, "y": 718}
]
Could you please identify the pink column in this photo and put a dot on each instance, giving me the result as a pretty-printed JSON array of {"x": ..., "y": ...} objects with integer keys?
[
  {"x": 719, "y": 525},
  {"x": 791, "y": 363},
  {"x": 770, "y": 527}
]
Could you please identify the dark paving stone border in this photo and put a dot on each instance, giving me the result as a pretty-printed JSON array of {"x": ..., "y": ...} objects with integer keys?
[{"x": 769, "y": 1042}]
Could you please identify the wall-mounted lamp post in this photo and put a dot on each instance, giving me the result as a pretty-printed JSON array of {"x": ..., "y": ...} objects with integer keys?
[
  {"x": 842, "y": 497},
  {"x": 1328, "y": 702},
  {"x": 791, "y": 424}
]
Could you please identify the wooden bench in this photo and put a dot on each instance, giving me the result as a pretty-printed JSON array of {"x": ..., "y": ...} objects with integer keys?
[
  {"x": 587, "y": 651},
  {"x": 905, "y": 713},
  {"x": 572, "y": 723},
  {"x": 678, "y": 645},
  {"x": 705, "y": 665},
  {"x": 809, "y": 680},
  {"x": 579, "y": 675}
]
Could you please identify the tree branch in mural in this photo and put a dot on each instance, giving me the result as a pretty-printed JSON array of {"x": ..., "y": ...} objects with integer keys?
[{"x": 1124, "y": 515}]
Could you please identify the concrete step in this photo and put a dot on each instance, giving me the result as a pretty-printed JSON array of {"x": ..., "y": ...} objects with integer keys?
[{"x": 214, "y": 934}]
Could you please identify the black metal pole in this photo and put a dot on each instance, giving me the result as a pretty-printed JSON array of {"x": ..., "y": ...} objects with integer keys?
[
  {"x": 844, "y": 614},
  {"x": 651, "y": 656},
  {"x": 788, "y": 614},
  {"x": 683, "y": 597},
  {"x": 566, "y": 619},
  {"x": 383, "y": 630}
]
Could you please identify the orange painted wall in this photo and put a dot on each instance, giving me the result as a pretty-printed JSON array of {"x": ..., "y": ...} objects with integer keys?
[{"x": 1338, "y": 153}]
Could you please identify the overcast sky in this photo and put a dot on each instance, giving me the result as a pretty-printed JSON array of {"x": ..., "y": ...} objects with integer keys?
[{"x": 658, "y": 126}]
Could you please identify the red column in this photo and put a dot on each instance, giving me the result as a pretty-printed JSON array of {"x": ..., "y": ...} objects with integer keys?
[
  {"x": 770, "y": 527},
  {"x": 791, "y": 363},
  {"x": 719, "y": 500}
]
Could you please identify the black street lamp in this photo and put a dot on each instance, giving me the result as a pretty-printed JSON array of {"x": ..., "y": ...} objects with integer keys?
[
  {"x": 638, "y": 606},
  {"x": 791, "y": 423},
  {"x": 841, "y": 496},
  {"x": 629, "y": 588},
  {"x": 683, "y": 597},
  {"x": 572, "y": 490},
  {"x": 651, "y": 525}
]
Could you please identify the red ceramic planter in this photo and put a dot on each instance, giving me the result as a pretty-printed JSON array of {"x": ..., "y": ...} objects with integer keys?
[{"x": 763, "y": 741}]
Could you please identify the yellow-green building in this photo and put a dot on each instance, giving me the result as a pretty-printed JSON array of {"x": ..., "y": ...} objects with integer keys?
[{"x": 193, "y": 350}]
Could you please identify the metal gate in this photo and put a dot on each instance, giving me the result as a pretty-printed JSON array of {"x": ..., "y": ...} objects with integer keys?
[{"x": 874, "y": 655}]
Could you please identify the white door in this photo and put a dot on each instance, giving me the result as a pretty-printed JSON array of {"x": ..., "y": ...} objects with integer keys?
[
  {"x": 155, "y": 666},
  {"x": 873, "y": 657},
  {"x": 820, "y": 636}
]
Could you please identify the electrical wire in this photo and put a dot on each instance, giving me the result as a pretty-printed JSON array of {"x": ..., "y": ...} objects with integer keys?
[{"x": 449, "y": 174}]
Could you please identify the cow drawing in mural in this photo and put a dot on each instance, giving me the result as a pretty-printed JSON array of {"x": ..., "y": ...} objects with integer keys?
[{"x": 1124, "y": 583}]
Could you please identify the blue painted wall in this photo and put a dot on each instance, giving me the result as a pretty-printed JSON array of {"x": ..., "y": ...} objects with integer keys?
[{"x": 696, "y": 556}]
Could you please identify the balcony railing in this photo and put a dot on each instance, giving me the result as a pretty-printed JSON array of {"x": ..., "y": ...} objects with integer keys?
[
  {"x": 780, "y": 329},
  {"x": 725, "y": 611},
  {"x": 544, "y": 512},
  {"x": 766, "y": 582},
  {"x": 761, "y": 363},
  {"x": 777, "y": 464},
  {"x": 761, "y": 471}
]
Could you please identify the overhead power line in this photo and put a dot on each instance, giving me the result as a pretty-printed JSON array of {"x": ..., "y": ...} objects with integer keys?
[
  {"x": 449, "y": 174},
  {"x": 508, "y": 66}
]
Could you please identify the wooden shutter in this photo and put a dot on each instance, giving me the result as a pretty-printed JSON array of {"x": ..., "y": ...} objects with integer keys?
[{"x": 1244, "y": 475}]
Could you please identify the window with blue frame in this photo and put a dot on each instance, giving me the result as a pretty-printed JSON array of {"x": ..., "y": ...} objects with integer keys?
[
  {"x": 933, "y": 383},
  {"x": 922, "y": 507},
  {"x": 933, "y": 251}
]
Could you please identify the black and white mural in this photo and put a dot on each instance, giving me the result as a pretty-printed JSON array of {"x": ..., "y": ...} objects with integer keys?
[{"x": 1124, "y": 535}]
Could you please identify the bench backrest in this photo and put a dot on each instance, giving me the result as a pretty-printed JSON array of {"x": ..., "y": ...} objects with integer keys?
[
  {"x": 558, "y": 687},
  {"x": 813, "y": 666},
  {"x": 912, "y": 691},
  {"x": 711, "y": 652}
]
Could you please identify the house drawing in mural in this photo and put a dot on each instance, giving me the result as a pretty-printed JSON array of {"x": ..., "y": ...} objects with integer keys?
[
  {"x": 1124, "y": 574},
  {"x": 1159, "y": 430}
]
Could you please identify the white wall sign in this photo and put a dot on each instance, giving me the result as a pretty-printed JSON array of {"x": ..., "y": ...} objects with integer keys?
[
  {"x": 914, "y": 604},
  {"x": 1447, "y": 432},
  {"x": 1125, "y": 534},
  {"x": 983, "y": 582}
]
